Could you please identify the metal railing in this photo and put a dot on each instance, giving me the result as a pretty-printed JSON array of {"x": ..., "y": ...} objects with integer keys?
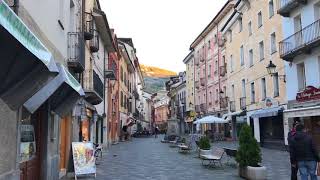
[
  {"x": 93, "y": 82},
  {"x": 203, "y": 107},
  {"x": 94, "y": 42},
  {"x": 76, "y": 58},
  {"x": 197, "y": 108},
  {"x": 285, "y": 6},
  {"x": 301, "y": 39},
  {"x": 232, "y": 106},
  {"x": 243, "y": 103},
  {"x": 88, "y": 26}
]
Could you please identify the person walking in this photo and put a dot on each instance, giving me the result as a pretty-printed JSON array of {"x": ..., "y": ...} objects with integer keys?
[
  {"x": 156, "y": 131},
  {"x": 291, "y": 134},
  {"x": 304, "y": 152}
]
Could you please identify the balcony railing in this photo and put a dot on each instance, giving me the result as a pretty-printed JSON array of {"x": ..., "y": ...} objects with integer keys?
[
  {"x": 197, "y": 108},
  {"x": 203, "y": 107},
  {"x": 221, "y": 41},
  {"x": 88, "y": 26},
  {"x": 135, "y": 94},
  {"x": 300, "y": 42},
  {"x": 203, "y": 81},
  {"x": 76, "y": 60},
  {"x": 196, "y": 61},
  {"x": 94, "y": 42},
  {"x": 224, "y": 102},
  {"x": 223, "y": 70},
  {"x": 243, "y": 103},
  {"x": 93, "y": 87},
  {"x": 286, "y": 6},
  {"x": 197, "y": 84},
  {"x": 232, "y": 106}
]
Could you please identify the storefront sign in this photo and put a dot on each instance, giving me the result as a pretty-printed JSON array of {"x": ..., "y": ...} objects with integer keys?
[
  {"x": 269, "y": 103},
  {"x": 83, "y": 158},
  {"x": 310, "y": 93},
  {"x": 13, "y": 24}
]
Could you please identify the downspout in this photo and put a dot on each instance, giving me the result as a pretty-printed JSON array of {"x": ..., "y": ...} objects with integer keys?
[
  {"x": 219, "y": 85},
  {"x": 104, "y": 127}
]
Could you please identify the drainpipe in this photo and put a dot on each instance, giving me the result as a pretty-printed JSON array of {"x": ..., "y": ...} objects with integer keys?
[
  {"x": 104, "y": 127},
  {"x": 219, "y": 68}
]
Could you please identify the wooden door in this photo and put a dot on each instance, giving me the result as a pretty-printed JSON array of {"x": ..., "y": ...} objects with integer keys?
[
  {"x": 63, "y": 143},
  {"x": 30, "y": 170}
]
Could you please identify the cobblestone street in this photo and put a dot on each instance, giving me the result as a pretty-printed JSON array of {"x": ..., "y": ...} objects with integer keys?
[{"x": 147, "y": 158}]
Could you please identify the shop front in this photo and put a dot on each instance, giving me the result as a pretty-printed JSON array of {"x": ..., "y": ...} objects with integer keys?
[
  {"x": 268, "y": 124},
  {"x": 305, "y": 108},
  {"x": 236, "y": 121}
]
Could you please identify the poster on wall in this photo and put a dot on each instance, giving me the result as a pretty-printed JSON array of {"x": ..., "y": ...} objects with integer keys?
[
  {"x": 27, "y": 142},
  {"x": 83, "y": 158}
]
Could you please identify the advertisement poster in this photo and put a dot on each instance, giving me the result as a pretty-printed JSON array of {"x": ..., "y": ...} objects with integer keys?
[
  {"x": 83, "y": 158},
  {"x": 27, "y": 142}
]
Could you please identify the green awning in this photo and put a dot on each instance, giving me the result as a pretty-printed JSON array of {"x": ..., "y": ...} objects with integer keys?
[
  {"x": 63, "y": 92},
  {"x": 26, "y": 64},
  {"x": 14, "y": 25}
]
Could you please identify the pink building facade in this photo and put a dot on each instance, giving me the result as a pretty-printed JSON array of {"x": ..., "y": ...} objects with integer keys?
[{"x": 210, "y": 67}]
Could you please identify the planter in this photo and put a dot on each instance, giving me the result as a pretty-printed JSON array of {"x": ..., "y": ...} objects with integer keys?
[
  {"x": 204, "y": 152},
  {"x": 253, "y": 173}
]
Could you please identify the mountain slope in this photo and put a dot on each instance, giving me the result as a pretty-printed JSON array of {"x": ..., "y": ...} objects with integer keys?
[{"x": 155, "y": 77}]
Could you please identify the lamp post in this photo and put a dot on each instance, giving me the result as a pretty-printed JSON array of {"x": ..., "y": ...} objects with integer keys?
[{"x": 271, "y": 68}]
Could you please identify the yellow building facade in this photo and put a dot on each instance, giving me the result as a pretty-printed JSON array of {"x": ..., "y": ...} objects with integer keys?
[
  {"x": 189, "y": 62},
  {"x": 252, "y": 34}
]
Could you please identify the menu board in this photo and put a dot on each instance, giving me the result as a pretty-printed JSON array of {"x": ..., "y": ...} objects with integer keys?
[
  {"x": 27, "y": 142},
  {"x": 83, "y": 158}
]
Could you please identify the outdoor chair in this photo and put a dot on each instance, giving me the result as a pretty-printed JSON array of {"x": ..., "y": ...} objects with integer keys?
[
  {"x": 231, "y": 153},
  {"x": 175, "y": 142},
  {"x": 216, "y": 156},
  {"x": 185, "y": 148}
]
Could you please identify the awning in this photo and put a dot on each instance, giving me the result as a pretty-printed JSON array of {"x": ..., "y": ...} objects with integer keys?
[
  {"x": 63, "y": 92},
  {"x": 268, "y": 112},
  {"x": 210, "y": 120},
  {"x": 26, "y": 64},
  {"x": 302, "y": 112}
]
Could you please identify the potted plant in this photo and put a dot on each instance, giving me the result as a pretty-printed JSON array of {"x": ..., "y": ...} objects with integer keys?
[
  {"x": 249, "y": 156},
  {"x": 204, "y": 145}
]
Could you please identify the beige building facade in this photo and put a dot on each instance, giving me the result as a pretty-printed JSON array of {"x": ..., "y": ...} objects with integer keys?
[
  {"x": 189, "y": 62},
  {"x": 255, "y": 97}
]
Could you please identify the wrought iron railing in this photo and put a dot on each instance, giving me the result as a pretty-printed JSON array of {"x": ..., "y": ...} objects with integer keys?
[
  {"x": 232, "y": 106},
  {"x": 303, "y": 38},
  {"x": 243, "y": 103},
  {"x": 76, "y": 58},
  {"x": 285, "y": 6},
  {"x": 93, "y": 82},
  {"x": 203, "y": 107},
  {"x": 94, "y": 42},
  {"x": 88, "y": 26}
]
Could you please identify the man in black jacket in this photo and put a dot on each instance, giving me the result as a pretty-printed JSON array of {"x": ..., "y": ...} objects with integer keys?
[
  {"x": 304, "y": 152},
  {"x": 291, "y": 134}
]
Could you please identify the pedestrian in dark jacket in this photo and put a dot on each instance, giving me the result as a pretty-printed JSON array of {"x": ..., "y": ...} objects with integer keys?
[
  {"x": 304, "y": 152},
  {"x": 291, "y": 134}
]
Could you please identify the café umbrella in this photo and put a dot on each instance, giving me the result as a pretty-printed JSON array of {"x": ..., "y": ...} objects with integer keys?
[{"x": 210, "y": 120}]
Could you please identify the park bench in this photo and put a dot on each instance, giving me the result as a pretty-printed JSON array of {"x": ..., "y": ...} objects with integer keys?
[{"x": 216, "y": 156}]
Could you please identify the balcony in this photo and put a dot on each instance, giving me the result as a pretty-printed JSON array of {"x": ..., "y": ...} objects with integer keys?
[
  {"x": 76, "y": 60},
  {"x": 93, "y": 87},
  {"x": 223, "y": 70},
  {"x": 88, "y": 26},
  {"x": 286, "y": 6},
  {"x": 232, "y": 106},
  {"x": 243, "y": 103},
  {"x": 198, "y": 108},
  {"x": 223, "y": 102},
  {"x": 300, "y": 42},
  {"x": 203, "y": 107},
  {"x": 197, "y": 84},
  {"x": 221, "y": 42},
  {"x": 203, "y": 81},
  {"x": 94, "y": 42}
]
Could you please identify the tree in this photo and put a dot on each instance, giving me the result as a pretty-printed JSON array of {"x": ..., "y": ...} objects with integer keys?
[{"x": 249, "y": 153}]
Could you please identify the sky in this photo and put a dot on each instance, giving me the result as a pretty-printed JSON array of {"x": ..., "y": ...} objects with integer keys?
[{"x": 162, "y": 30}]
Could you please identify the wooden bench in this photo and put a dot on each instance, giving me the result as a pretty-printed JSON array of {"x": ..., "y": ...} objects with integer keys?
[{"x": 216, "y": 156}]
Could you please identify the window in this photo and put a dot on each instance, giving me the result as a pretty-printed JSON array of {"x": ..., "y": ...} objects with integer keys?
[
  {"x": 125, "y": 101},
  {"x": 231, "y": 63},
  {"x": 261, "y": 50},
  {"x": 301, "y": 76},
  {"x": 263, "y": 89},
  {"x": 210, "y": 97},
  {"x": 253, "y": 93},
  {"x": 243, "y": 85},
  {"x": 251, "y": 57},
  {"x": 271, "y": 8},
  {"x": 275, "y": 85},
  {"x": 273, "y": 43},
  {"x": 217, "y": 95},
  {"x": 230, "y": 36},
  {"x": 250, "y": 28},
  {"x": 232, "y": 91},
  {"x": 241, "y": 56},
  {"x": 317, "y": 11},
  {"x": 259, "y": 19},
  {"x": 121, "y": 73},
  {"x": 121, "y": 98},
  {"x": 240, "y": 24},
  {"x": 209, "y": 45},
  {"x": 216, "y": 67},
  {"x": 209, "y": 71}
]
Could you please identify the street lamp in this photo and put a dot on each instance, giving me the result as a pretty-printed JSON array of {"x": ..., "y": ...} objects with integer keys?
[{"x": 271, "y": 68}]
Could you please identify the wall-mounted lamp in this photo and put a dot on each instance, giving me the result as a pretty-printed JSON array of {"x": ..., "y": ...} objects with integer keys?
[{"x": 271, "y": 68}]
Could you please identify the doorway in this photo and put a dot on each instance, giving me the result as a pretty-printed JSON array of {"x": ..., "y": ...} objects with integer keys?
[{"x": 64, "y": 145}]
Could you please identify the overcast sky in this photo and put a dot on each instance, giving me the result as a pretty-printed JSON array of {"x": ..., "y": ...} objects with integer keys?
[{"x": 162, "y": 30}]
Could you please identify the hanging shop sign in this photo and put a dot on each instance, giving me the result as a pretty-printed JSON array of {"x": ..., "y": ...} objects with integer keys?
[
  {"x": 83, "y": 158},
  {"x": 310, "y": 93}
]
